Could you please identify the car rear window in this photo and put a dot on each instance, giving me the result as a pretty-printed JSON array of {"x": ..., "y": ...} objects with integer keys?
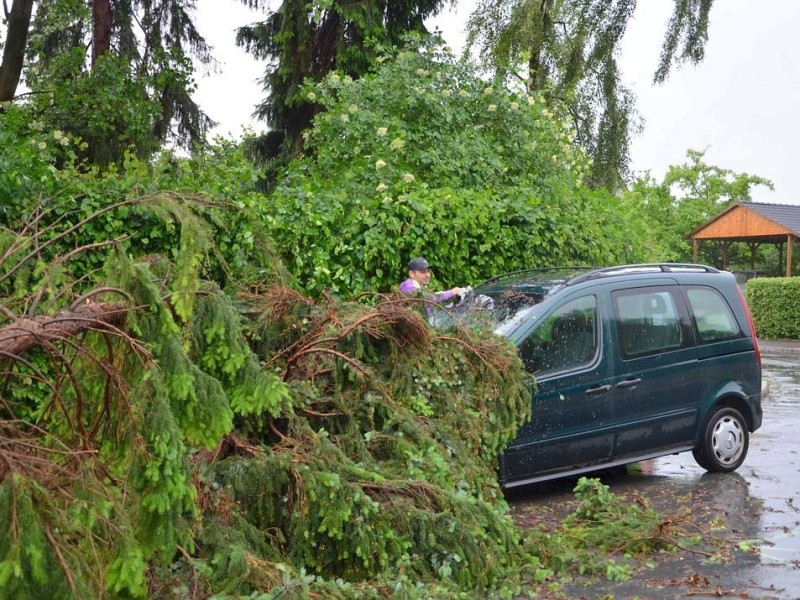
[{"x": 713, "y": 318}]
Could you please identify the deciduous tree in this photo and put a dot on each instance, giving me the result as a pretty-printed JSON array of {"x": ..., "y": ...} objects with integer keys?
[
  {"x": 116, "y": 73},
  {"x": 569, "y": 49},
  {"x": 689, "y": 195},
  {"x": 18, "y": 20},
  {"x": 426, "y": 157}
]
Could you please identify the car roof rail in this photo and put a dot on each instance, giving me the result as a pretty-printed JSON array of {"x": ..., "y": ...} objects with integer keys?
[
  {"x": 511, "y": 274},
  {"x": 642, "y": 268}
]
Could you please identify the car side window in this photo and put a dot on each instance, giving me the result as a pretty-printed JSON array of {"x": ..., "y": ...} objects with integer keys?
[
  {"x": 647, "y": 322},
  {"x": 713, "y": 318},
  {"x": 566, "y": 340}
]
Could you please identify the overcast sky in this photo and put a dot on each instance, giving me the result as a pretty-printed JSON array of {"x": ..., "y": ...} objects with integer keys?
[{"x": 740, "y": 104}]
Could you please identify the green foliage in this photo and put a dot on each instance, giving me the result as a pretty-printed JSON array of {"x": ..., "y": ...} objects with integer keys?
[
  {"x": 105, "y": 108},
  {"x": 64, "y": 541},
  {"x": 306, "y": 40},
  {"x": 605, "y": 534},
  {"x": 775, "y": 303},
  {"x": 216, "y": 344},
  {"x": 144, "y": 209},
  {"x": 132, "y": 97},
  {"x": 138, "y": 408},
  {"x": 689, "y": 195},
  {"x": 25, "y": 165},
  {"x": 568, "y": 51},
  {"x": 357, "y": 486},
  {"x": 685, "y": 38},
  {"x": 426, "y": 158}
]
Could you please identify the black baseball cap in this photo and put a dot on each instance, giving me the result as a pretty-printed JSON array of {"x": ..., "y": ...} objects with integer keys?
[{"x": 418, "y": 264}]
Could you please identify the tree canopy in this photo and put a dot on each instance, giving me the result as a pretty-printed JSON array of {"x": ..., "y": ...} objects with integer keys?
[
  {"x": 302, "y": 40},
  {"x": 119, "y": 75},
  {"x": 689, "y": 195},
  {"x": 568, "y": 50},
  {"x": 425, "y": 157}
]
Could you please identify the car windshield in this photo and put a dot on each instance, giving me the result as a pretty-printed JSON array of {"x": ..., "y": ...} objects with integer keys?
[{"x": 504, "y": 303}]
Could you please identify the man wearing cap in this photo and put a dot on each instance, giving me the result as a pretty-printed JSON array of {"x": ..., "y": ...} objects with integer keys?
[{"x": 419, "y": 274}]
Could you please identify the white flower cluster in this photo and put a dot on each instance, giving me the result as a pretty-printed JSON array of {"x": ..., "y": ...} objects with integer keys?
[{"x": 61, "y": 137}]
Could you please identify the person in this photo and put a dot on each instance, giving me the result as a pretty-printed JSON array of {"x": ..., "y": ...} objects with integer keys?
[{"x": 419, "y": 274}]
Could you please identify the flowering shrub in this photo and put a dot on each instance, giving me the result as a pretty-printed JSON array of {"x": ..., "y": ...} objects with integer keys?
[
  {"x": 434, "y": 161},
  {"x": 42, "y": 173}
]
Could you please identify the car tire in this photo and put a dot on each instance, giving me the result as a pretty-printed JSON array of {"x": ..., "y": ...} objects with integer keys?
[{"x": 725, "y": 441}]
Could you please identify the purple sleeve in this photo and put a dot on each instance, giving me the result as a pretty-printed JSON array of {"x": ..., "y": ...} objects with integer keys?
[
  {"x": 446, "y": 295},
  {"x": 408, "y": 287}
]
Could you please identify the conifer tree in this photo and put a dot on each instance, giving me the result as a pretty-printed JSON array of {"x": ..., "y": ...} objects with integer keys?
[
  {"x": 301, "y": 40},
  {"x": 158, "y": 433}
]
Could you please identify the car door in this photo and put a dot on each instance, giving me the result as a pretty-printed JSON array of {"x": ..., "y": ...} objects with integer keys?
[
  {"x": 656, "y": 400},
  {"x": 565, "y": 352},
  {"x": 726, "y": 355}
]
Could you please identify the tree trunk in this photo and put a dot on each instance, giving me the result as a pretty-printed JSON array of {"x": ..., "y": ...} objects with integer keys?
[
  {"x": 19, "y": 20},
  {"x": 101, "y": 32},
  {"x": 537, "y": 68},
  {"x": 26, "y": 333}
]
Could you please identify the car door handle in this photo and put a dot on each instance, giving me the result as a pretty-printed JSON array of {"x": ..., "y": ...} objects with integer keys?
[
  {"x": 600, "y": 389},
  {"x": 629, "y": 383}
]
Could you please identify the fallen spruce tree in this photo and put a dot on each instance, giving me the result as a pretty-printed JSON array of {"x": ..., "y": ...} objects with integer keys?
[{"x": 161, "y": 437}]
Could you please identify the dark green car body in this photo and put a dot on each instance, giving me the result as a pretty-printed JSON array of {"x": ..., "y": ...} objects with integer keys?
[{"x": 629, "y": 363}]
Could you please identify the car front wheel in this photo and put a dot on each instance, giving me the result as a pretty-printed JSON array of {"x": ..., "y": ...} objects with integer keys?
[{"x": 725, "y": 441}]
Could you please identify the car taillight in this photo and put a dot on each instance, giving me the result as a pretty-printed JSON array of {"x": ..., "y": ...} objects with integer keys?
[{"x": 752, "y": 325}]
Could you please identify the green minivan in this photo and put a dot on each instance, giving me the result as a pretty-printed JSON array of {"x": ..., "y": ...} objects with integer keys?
[{"x": 627, "y": 363}]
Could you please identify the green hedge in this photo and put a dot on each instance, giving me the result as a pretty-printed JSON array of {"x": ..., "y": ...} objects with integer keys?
[{"x": 775, "y": 304}]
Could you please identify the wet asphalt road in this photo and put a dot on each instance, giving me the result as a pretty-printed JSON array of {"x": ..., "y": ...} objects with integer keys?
[{"x": 760, "y": 504}]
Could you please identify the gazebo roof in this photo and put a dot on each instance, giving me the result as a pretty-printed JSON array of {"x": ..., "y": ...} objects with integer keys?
[{"x": 752, "y": 222}]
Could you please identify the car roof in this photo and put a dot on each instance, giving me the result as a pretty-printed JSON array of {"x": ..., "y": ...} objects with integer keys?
[{"x": 548, "y": 280}]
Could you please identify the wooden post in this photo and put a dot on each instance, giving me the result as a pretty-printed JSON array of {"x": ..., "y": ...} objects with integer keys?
[
  {"x": 753, "y": 249},
  {"x": 789, "y": 244},
  {"x": 725, "y": 247},
  {"x": 695, "y": 247}
]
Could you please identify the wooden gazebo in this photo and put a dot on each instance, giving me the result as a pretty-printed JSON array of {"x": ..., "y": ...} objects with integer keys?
[{"x": 753, "y": 223}]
